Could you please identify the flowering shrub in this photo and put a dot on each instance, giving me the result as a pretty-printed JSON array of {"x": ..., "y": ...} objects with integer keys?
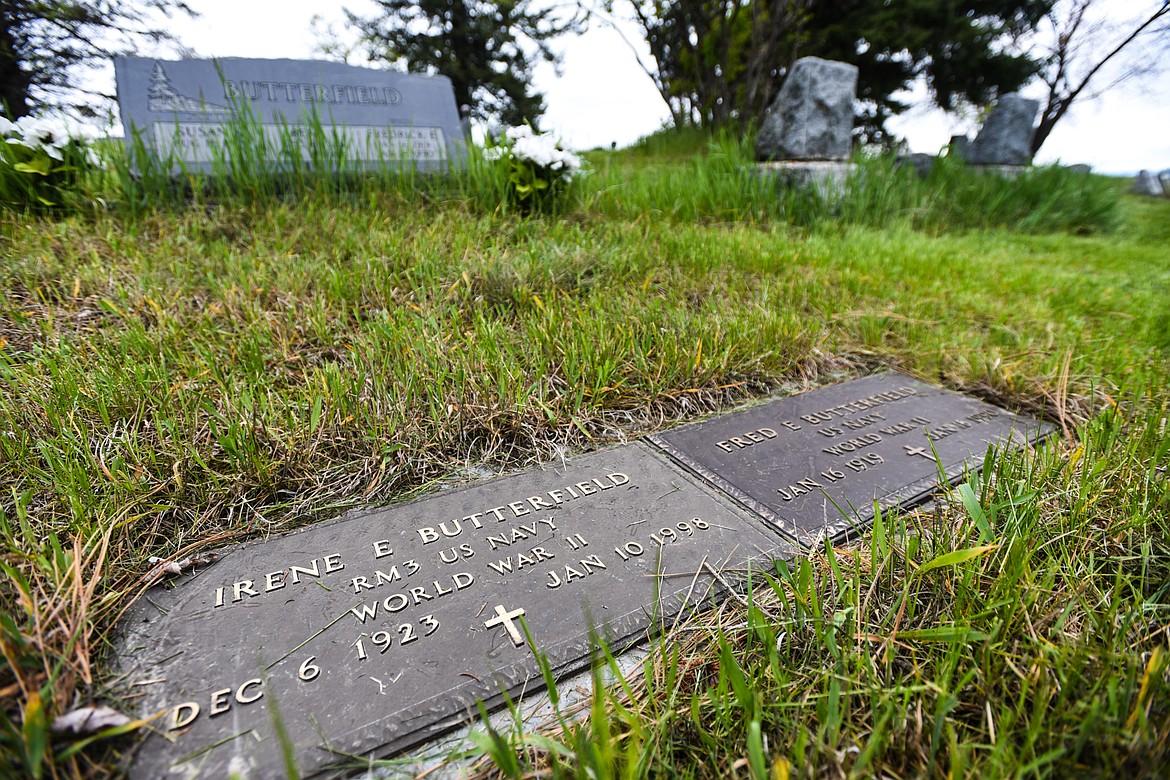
[
  {"x": 538, "y": 169},
  {"x": 41, "y": 163}
]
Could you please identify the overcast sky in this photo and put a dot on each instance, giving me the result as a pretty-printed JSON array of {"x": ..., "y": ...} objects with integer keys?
[{"x": 603, "y": 96}]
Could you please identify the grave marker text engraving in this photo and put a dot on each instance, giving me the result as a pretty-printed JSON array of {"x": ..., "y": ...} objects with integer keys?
[
  {"x": 815, "y": 464},
  {"x": 372, "y": 633}
]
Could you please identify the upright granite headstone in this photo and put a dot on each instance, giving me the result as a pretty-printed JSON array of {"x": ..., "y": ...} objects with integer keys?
[
  {"x": 1006, "y": 136},
  {"x": 812, "y": 117},
  {"x": 1148, "y": 184},
  {"x": 381, "y": 117}
]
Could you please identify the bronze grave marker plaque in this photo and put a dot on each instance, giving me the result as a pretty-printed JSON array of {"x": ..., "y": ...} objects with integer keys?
[
  {"x": 369, "y": 634},
  {"x": 815, "y": 464}
]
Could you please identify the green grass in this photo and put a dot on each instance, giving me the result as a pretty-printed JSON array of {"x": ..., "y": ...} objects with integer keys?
[
  {"x": 681, "y": 179},
  {"x": 231, "y": 358}
]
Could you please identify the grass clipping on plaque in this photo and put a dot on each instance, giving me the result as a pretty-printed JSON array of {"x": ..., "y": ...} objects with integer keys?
[{"x": 196, "y": 370}]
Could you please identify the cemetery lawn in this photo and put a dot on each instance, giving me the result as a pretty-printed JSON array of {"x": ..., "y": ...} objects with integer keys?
[{"x": 175, "y": 380}]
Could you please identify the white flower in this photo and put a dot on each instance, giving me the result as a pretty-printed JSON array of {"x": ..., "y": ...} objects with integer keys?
[
  {"x": 543, "y": 150},
  {"x": 40, "y": 131},
  {"x": 571, "y": 162},
  {"x": 516, "y": 133},
  {"x": 6, "y": 127},
  {"x": 534, "y": 148},
  {"x": 540, "y": 150},
  {"x": 493, "y": 153}
]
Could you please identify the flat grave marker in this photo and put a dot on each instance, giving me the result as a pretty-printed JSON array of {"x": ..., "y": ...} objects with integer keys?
[
  {"x": 813, "y": 465},
  {"x": 183, "y": 106},
  {"x": 373, "y": 633}
]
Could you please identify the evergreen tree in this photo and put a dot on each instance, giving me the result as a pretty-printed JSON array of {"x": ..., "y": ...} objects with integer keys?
[
  {"x": 44, "y": 45},
  {"x": 960, "y": 47},
  {"x": 721, "y": 61},
  {"x": 487, "y": 48},
  {"x": 716, "y": 61}
]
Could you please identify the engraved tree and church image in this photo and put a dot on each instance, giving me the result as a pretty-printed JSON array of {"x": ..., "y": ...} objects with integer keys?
[{"x": 161, "y": 95}]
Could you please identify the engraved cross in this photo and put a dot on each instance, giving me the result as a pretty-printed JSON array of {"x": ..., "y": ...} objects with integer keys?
[
  {"x": 920, "y": 451},
  {"x": 504, "y": 618}
]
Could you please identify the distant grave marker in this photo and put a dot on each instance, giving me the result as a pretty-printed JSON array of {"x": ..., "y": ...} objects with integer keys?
[
  {"x": 184, "y": 106},
  {"x": 806, "y": 135},
  {"x": 812, "y": 115},
  {"x": 1006, "y": 136}
]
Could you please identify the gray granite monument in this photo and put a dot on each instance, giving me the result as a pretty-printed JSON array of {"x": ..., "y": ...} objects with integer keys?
[
  {"x": 378, "y": 117},
  {"x": 921, "y": 163},
  {"x": 1006, "y": 136},
  {"x": 812, "y": 116},
  {"x": 1149, "y": 184}
]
